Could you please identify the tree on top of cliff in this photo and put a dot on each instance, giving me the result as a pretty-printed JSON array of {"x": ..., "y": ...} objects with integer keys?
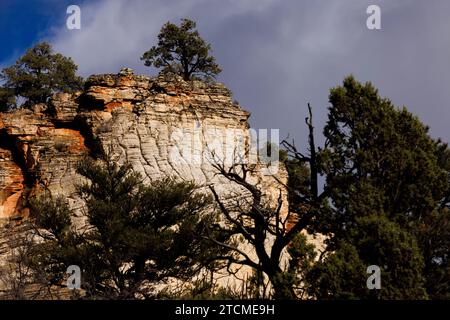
[
  {"x": 182, "y": 51},
  {"x": 38, "y": 74}
]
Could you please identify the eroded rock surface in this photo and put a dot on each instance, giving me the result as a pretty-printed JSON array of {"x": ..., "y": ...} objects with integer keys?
[{"x": 161, "y": 126}]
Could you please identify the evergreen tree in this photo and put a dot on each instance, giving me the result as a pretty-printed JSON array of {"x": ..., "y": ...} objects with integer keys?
[
  {"x": 385, "y": 181},
  {"x": 373, "y": 241},
  {"x": 137, "y": 235},
  {"x": 379, "y": 158},
  {"x": 39, "y": 73},
  {"x": 182, "y": 51}
]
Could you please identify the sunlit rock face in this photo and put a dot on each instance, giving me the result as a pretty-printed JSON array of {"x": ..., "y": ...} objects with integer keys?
[
  {"x": 38, "y": 155},
  {"x": 162, "y": 126},
  {"x": 11, "y": 185}
]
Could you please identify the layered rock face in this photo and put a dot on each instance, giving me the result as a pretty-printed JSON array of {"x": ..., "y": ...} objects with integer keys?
[
  {"x": 11, "y": 185},
  {"x": 37, "y": 155},
  {"x": 161, "y": 126}
]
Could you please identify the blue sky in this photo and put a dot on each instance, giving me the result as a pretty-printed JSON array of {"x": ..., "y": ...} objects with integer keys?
[
  {"x": 276, "y": 55},
  {"x": 23, "y": 22}
]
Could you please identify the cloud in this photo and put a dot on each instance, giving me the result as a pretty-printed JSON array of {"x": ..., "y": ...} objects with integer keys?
[
  {"x": 116, "y": 33},
  {"x": 278, "y": 55}
]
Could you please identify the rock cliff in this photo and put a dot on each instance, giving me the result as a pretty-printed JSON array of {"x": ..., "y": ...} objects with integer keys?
[{"x": 161, "y": 126}]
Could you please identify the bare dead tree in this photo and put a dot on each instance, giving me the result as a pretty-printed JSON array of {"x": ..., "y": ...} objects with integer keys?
[
  {"x": 18, "y": 281},
  {"x": 254, "y": 219}
]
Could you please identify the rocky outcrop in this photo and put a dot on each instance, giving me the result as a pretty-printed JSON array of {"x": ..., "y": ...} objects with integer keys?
[
  {"x": 161, "y": 126},
  {"x": 38, "y": 155}
]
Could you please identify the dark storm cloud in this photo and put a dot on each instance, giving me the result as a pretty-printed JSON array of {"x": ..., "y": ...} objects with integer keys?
[{"x": 279, "y": 55}]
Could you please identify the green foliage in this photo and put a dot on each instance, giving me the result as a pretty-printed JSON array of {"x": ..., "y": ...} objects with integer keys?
[
  {"x": 137, "y": 235},
  {"x": 54, "y": 215},
  {"x": 39, "y": 73},
  {"x": 60, "y": 247},
  {"x": 375, "y": 241},
  {"x": 433, "y": 234},
  {"x": 385, "y": 180},
  {"x": 302, "y": 255},
  {"x": 298, "y": 183},
  {"x": 182, "y": 51},
  {"x": 379, "y": 159},
  {"x": 7, "y": 99},
  {"x": 340, "y": 276}
]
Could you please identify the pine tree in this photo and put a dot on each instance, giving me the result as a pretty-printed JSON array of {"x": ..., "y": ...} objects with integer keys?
[
  {"x": 39, "y": 73},
  {"x": 137, "y": 235},
  {"x": 387, "y": 182},
  {"x": 182, "y": 51}
]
